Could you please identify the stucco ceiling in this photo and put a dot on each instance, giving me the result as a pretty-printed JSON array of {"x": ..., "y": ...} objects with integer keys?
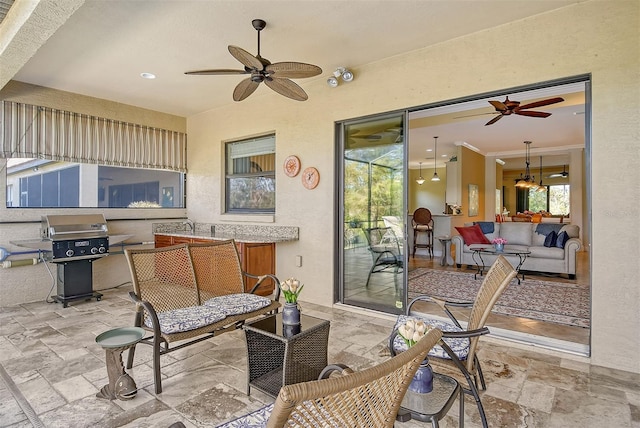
[{"x": 104, "y": 46}]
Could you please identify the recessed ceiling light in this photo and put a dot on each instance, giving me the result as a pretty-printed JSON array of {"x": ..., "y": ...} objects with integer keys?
[
  {"x": 429, "y": 150},
  {"x": 147, "y": 75}
]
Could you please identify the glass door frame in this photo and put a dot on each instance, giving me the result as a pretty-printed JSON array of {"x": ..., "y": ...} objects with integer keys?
[{"x": 339, "y": 212}]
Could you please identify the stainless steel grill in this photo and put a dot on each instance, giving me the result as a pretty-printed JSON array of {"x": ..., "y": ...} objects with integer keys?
[
  {"x": 76, "y": 237},
  {"x": 76, "y": 242}
]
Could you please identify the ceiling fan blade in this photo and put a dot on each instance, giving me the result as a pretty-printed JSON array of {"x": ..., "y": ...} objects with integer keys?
[
  {"x": 474, "y": 115},
  {"x": 221, "y": 71},
  {"x": 532, "y": 113},
  {"x": 287, "y": 88},
  {"x": 246, "y": 58},
  {"x": 498, "y": 105},
  {"x": 541, "y": 103},
  {"x": 292, "y": 70},
  {"x": 244, "y": 89},
  {"x": 494, "y": 120}
]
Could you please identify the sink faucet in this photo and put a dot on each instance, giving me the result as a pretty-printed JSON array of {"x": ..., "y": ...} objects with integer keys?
[{"x": 189, "y": 223}]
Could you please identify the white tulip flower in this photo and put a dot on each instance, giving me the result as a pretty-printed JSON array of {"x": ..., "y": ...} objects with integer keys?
[
  {"x": 412, "y": 331},
  {"x": 291, "y": 289}
]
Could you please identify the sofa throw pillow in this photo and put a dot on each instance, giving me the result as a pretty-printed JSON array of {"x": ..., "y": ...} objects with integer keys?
[
  {"x": 472, "y": 235},
  {"x": 551, "y": 239},
  {"x": 486, "y": 226},
  {"x": 563, "y": 237},
  {"x": 572, "y": 230}
]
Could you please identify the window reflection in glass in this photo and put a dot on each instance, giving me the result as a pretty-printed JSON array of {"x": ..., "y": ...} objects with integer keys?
[{"x": 37, "y": 183}]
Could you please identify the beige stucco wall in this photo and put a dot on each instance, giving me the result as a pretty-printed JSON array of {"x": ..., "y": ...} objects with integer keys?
[{"x": 591, "y": 37}]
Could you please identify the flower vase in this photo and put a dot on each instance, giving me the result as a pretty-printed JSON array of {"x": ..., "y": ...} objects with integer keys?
[
  {"x": 291, "y": 314},
  {"x": 423, "y": 379},
  {"x": 499, "y": 248}
]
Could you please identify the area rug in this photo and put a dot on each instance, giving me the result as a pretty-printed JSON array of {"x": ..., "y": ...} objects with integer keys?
[{"x": 557, "y": 302}]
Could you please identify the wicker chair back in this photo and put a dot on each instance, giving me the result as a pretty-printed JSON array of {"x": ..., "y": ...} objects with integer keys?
[
  {"x": 495, "y": 282},
  {"x": 217, "y": 268},
  {"x": 368, "y": 398},
  {"x": 155, "y": 269}
]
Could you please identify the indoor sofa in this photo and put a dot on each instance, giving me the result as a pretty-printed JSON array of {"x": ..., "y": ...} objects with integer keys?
[{"x": 553, "y": 246}]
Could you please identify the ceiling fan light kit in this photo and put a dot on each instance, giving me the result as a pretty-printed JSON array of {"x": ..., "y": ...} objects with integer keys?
[
  {"x": 340, "y": 72},
  {"x": 276, "y": 76}
]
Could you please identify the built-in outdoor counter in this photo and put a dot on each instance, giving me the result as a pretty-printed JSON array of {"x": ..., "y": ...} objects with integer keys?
[{"x": 256, "y": 243}]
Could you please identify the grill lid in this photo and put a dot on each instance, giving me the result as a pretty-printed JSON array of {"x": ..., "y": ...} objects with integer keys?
[{"x": 67, "y": 227}]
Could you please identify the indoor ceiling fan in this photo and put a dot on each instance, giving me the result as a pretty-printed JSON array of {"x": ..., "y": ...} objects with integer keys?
[
  {"x": 276, "y": 76},
  {"x": 509, "y": 107},
  {"x": 563, "y": 174}
]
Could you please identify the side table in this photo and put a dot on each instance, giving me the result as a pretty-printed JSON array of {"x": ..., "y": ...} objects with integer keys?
[
  {"x": 480, "y": 249},
  {"x": 121, "y": 385},
  {"x": 434, "y": 405},
  {"x": 279, "y": 355},
  {"x": 446, "y": 250}
]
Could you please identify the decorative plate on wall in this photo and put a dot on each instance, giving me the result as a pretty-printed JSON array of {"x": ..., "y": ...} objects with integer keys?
[
  {"x": 310, "y": 178},
  {"x": 291, "y": 166}
]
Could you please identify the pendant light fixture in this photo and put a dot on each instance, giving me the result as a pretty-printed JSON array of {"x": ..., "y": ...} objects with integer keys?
[
  {"x": 435, "y": 160},
  {"x": 527, "y": 181},
  {"x": 420, "y": 180},
  {"x": 541, "y": 187}
]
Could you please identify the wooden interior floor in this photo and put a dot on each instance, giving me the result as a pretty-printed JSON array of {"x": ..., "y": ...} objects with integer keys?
[{"x": 526, "y": 326}]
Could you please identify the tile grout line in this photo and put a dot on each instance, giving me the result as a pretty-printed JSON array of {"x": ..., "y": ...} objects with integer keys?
[{"x": 22, "y": 402}]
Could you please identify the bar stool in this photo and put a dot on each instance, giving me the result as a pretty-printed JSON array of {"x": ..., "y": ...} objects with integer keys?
[{"x": 423, "y": 223}]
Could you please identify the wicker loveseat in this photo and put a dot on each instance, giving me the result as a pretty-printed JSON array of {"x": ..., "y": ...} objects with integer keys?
[
  {"x": 528, "y": 237},
  {"x": 189, "y": 293}
]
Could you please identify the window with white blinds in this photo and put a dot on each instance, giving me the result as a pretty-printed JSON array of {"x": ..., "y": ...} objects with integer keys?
[{"x": 250, "y": 175}]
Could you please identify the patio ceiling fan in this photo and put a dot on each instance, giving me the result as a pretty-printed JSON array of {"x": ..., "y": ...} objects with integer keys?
[
  {"x": 509, "y": 107},
  {"x": 276, "y": 76}
]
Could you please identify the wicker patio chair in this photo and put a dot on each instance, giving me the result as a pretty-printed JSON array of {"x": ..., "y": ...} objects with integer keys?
[
  {"x": 176, "y": 281},
  {"x": 459, "y": 345},
  {"x": 369, "y": 398}
]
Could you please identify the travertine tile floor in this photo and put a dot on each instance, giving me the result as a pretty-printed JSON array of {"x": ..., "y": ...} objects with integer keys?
[{"x": 51, "y": 369}]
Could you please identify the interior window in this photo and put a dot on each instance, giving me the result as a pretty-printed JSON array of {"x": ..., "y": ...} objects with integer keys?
[
  {"x": 250, "y": 175},
  {"x": 555, "y": 200}
]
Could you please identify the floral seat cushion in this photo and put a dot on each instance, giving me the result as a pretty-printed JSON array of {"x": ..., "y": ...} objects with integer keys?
[
  {"x": 460, "y": 346},
  {"x": 256, "y": 419},
  {"x": 259, "y": 418},
  {"x": 240, "y": 303},
  {"x": 186, "y": 319}
]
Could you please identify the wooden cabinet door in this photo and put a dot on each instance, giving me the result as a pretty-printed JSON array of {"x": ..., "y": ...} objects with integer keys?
[
  {"x": 162, "y": 241},
  {"x": 259, "y": 259},
  {"x": 181, "y": 240}
]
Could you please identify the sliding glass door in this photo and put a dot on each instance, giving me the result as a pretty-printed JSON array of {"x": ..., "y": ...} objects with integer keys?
[{"x": 371, "y": 220}]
